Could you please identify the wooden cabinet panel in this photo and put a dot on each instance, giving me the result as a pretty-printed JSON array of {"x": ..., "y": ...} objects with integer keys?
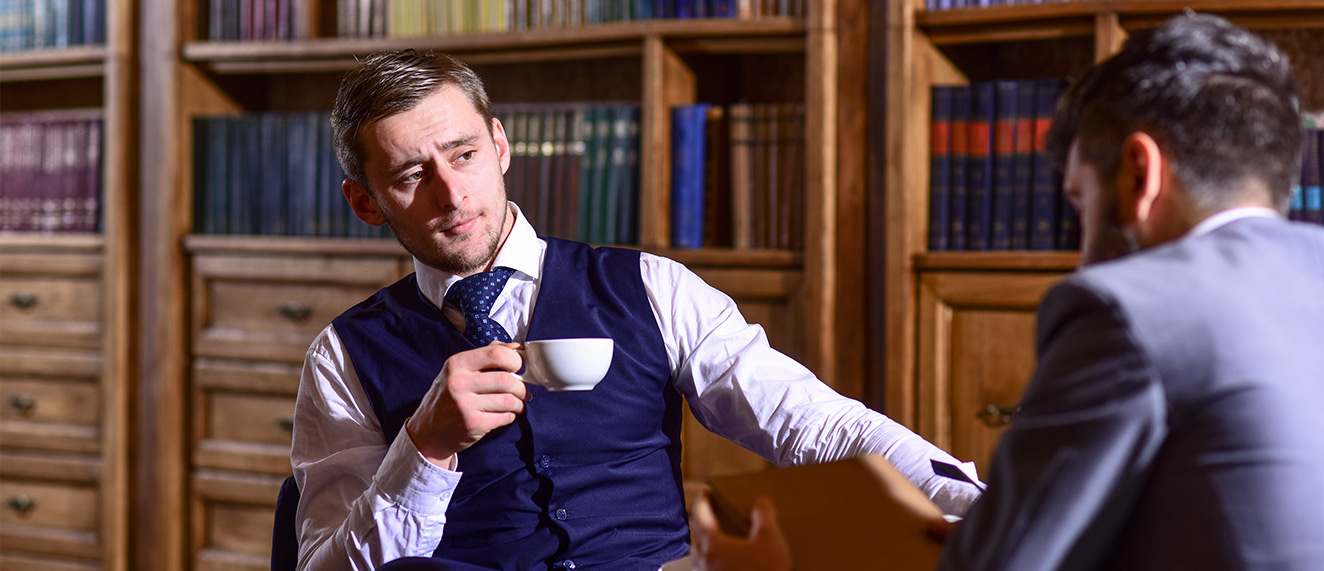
[
  {"x": 19, "y": 562},
  {"x": 232, "y": 519},
  {"x": 976, "y": 353},
  {"x": 271, "y": 307},
  {"x": 244, "y": 415},
  {"x": 49, "y": 517},
  {"x": 705, "y": 455},
  {"x": 51, "y": 298},
  {"x": 51, "y": 414}
]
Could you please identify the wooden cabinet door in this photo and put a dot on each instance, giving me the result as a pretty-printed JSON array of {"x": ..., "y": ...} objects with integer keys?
[{"x": 976, "y": 353}]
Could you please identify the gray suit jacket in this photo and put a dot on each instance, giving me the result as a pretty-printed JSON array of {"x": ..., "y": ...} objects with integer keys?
[{"x": 1176, "y": 416}]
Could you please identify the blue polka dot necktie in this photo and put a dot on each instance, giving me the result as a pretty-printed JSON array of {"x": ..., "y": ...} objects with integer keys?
[{"x": 474, "y": 296}]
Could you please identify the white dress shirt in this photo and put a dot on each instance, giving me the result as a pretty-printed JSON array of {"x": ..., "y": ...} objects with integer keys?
[{"x": 365, "y": 502}]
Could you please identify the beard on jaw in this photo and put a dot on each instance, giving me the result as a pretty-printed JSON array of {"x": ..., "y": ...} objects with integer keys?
[
  {"x": 1113, "y": 239},
  {"x": 431, "y": 248}
]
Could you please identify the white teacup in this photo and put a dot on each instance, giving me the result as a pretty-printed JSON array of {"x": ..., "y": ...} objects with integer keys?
[{"x": 566, "y": 364}]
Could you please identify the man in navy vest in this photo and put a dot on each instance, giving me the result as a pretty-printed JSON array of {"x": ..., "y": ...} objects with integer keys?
[{"x": 414, "y": 439}]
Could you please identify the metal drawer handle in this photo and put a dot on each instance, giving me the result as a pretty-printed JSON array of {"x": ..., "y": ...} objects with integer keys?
[
  {"x": 295, "y": 310},
  {"x": 997, "y": 416},
  {"x": 23, "y": 403},
  {"x": 21, "y": 504},
  {"x": 286, "y": 423},
  {"x": 23, "y": 299}
]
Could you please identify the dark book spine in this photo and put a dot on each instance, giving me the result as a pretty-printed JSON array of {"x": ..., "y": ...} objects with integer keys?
[
  {"x": 958, "y": 203},
  {"x": 940, "y": 165},
  {"x": 688, "y": 148},
  {"x": 1312, "y": 180},
  {"x": 1022, "y": 182},
  {"x": 574, "y": 156},
  {"x": 717, "y": 179},
  {"x": 1045, "y": 196},
  {"x": 979, "y": 189},
  {"x": 1004, "y": 162},
  {"x": 740, "y": 121}
]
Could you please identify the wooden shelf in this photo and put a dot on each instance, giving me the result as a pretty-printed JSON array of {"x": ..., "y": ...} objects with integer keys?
[
  {"x": 725, "y": 257},
  {"x": 39, "y": 65},
  {"x": 204, "y": 243},
  {"x": 1007, "y": 261},
  {"x": 67, "y": 241},
  {"x": 717, "y": 36},
  {"x": 1057, "y": 20}
]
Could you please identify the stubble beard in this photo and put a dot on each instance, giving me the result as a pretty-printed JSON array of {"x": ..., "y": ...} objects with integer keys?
[
  {"x": 1114, "y": 240},
  {"x": 432, "y": 247}
]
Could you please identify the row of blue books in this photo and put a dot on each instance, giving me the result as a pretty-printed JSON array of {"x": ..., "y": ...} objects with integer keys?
[
  {"x": 934, "y": 5},
  {"x": 574, "y": 168},
  {"x": 273, "y": 174},
  {"x": 1307, "y": 203},
  {"x": 991, "y": 186},
  {"x": 50, "y": 171},
  {"x": 737, "y": 176},
  {"x": 51, "y": 24}
]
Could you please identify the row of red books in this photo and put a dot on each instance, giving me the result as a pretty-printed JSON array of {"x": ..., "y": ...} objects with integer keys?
[{"x": 50, "y": 171}]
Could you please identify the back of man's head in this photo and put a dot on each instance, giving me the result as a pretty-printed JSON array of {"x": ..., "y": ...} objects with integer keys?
[{"x": 1220, "y": 101}]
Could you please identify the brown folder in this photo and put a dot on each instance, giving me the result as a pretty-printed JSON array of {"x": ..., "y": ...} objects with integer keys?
[{"x": 851, "y": 514}]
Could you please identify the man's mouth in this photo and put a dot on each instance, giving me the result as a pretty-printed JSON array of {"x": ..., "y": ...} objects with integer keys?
[{"x": 461, "y": 226}]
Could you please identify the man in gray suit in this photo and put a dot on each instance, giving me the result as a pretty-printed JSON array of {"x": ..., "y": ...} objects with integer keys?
[{"x": 1176, "y": 416}]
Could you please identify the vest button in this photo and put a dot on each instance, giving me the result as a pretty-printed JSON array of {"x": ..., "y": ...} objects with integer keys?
[
  {"x": 561, "y": 514},
  {"x": 545, "y": 461},
  {"x": 568, "y": 564}
]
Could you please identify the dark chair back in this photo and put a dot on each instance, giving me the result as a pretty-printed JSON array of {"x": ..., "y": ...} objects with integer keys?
[{"x": 284, "y": 535}]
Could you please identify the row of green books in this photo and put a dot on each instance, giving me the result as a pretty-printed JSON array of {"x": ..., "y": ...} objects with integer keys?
[
  {"x": 574, "y": 168},
  {"x": 737, "y": 176},
  {"x": 574, "y": 172},
  {"x": 50, "y": 171},
  {"x": 51, "y": 24},
  {"x": 273, "y": 174},
  {"x": 991, "y": 186},
  {"x": 1307, "y": 202}
]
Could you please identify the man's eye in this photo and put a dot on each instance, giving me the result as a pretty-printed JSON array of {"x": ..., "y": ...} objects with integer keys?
[
  {"x": 467, "y": 156},
  {"x": 414, "y": 176}
]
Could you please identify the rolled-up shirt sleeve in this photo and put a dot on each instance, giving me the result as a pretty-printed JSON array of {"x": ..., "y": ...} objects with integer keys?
[
  {"x": 741, "y": 388},
  {"x": 363, "y": 502}
]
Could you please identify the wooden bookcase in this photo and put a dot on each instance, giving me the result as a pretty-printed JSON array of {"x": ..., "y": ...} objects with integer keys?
[
  {"x": 224, "y": 356},
  {"x": 66, "y": 338},
  {"x": 960, "y": 325}
]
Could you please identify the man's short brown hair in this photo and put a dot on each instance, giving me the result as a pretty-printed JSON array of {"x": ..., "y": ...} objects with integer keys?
[{"x": 387, "y": 83}]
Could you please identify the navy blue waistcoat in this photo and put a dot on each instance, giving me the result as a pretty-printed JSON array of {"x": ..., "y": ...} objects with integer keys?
[{"x": 581, "y": 479}]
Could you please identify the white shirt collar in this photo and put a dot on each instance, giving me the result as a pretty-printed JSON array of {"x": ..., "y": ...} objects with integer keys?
[
  {"x": 522, "y": 252},
  {"x": 1227, "y": 216}
]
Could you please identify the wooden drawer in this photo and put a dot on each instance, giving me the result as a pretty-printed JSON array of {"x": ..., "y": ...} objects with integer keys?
[
  {"x": 51, "y": 299},
  {"x": 46, "y": 517},
  {"x": 60, "y": 414},
  {"x": 244, "y": 415},
  {"x": 269, "y": 307},
  {"x": 232, "y": 518}
]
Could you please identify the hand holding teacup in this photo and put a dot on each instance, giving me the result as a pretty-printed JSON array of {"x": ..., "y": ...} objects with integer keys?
[{"x": 566, "y": 364}]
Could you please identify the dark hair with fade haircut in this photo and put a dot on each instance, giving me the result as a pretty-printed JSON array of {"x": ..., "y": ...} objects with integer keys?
[
  {"x": 387, "y": 83},
  {"x": 1220, "y": 101}
]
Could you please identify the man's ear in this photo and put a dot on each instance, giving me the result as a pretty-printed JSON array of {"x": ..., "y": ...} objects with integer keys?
[
  {"x": 362, "y": 202},
  {"x": 502, "y": 144},
  {"x": 1140, "y": 181}
]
